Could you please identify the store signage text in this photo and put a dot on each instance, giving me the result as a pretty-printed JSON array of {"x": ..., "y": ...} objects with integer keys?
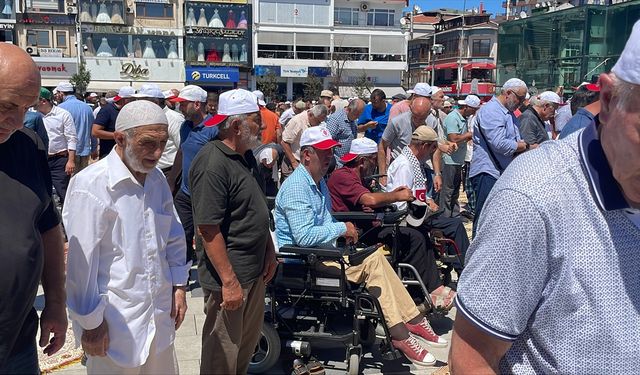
[
  {"x": 52, "y": 68},
  {"x": 50, "y": 52},
  {"x": 6, "y": 26},
  {"x": 50, "y": 19},
  {"x": 134, "y": 71},
  {"x": 211, "y": 31},
  {"x": 294, "y": 71}
]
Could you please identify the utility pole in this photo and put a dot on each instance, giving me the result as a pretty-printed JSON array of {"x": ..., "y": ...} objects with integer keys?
[{"x": 460, "y": 48}]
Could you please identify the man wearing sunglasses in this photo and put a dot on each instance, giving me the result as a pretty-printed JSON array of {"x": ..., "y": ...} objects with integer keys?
[{"x": 496, "y": 140}]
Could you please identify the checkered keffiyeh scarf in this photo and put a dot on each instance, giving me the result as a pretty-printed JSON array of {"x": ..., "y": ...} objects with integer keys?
[{"x": 419, "y": 179}]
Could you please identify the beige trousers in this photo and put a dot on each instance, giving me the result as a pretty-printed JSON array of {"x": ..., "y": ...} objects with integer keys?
[
  {"x": 382, "y": 282},
  {"x": 164, "y": 362},
  {"x": 229, "y": 338}
]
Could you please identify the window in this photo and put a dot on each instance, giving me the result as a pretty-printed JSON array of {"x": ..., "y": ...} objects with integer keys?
[
  {"x": 345, "y": 16},
  {"x": 381, "y": 17},
  {"x": 39, "y": 38},
  {"x": 154, "y": 10},
  {"x": 61, "y": 39},
  {"x": 481, "y": 47},
  {"x": 46, "y": 5}
]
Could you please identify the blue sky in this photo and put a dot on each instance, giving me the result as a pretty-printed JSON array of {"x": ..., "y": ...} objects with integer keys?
[{"x": 492, "y": 6}]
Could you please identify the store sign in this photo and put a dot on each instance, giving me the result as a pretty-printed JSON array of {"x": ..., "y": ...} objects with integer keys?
[
  {"x": 131, "y": 30},
  {"x": 56, "y": 70},
  {"x": 294, "y": 71},
  {"x": 208, "y": 31},
  {"x": 131, "y": 70},
  {"x": 50, "y": 52},
  {"x": 222, "y": 1},
  {"x": 6, "y": 26},
  {"x": 48, "y": 19},
  {"x": 195, "y": 74}
]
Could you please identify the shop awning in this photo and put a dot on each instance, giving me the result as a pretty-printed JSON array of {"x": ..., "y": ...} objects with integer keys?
[
  {"x": 428, "y": 67},
  {"x": 104, "y": 86},
  {"x": 479, "y": 65},
  {"x": 446, "y": 66}
]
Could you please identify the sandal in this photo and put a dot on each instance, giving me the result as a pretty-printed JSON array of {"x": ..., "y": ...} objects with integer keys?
[
  {"x": 440, "y": 299},
  {"x": 315, "y": 367}
]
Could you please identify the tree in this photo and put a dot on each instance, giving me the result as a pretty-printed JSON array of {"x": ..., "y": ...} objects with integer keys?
[
  {"x": 268, "y": 85},
  {"x": 81, "y": 79},
  {"x": 312, "y": 87},
  {"x": 362, "y": 86},
  {"x": 340, "y": 56}
]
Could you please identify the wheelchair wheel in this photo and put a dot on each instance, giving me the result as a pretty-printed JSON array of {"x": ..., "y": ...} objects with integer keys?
[
  {"x": 267, "y": 351},
  {"x": 354, "y": 364}
]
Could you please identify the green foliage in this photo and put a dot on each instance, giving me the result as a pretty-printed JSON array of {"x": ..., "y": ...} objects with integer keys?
[
  {"x": 312, "y": 87},
  {"x": 268, "y": 84},
  {"x": 362, "y": 86},
  {"x": 81, "y": 79}
]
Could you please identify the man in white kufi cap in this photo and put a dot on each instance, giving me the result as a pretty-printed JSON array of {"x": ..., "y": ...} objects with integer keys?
[
  {"x": 126, "y": 266},
  {"x": 560, "y": 229}
]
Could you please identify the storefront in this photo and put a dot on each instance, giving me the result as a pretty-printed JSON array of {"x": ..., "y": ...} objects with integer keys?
[
  {"x": 125, "y": 55},
  {"x": 55, "y": 69},
  {"x": 218, "y": 44},
  {"x": 7, "y": 22},
  {"x": 291, "y": 78}
]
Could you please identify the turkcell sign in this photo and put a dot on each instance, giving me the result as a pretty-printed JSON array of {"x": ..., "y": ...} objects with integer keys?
[{"x": 211, "y": 74}]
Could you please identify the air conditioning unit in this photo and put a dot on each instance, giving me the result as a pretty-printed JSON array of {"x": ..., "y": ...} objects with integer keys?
[
  {"x": 129, "y": 10},
  {"x": 72, "y": 3},
  {"x": 364, "y": 7},
  {"x": 31, "y": 50},
  {"x": 72, "y": 10}
]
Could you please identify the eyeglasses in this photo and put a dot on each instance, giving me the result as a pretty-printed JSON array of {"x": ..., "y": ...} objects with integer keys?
[{"x": 520, "y": 98}]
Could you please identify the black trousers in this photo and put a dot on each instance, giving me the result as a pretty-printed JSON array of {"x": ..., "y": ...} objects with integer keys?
[
  {"x": 185, "y": 212},
  {"x": 413, "y": 250},
  {"x": 451, "y": 182},
  {"x": 59, "y": 178}
]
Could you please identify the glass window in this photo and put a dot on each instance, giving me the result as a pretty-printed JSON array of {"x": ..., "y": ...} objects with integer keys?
[
  {"x": 61, "y": 39},
  {"x": 380, "y": 17},
  {"x": 46, "y": 5},
  {"x": 38, "y": 38},
  {"x": 345, "y": 16},
  {"x": 153, "y": 10},
  {"x": 481, "y": 47},
  {"x": 132, "y": 46}
]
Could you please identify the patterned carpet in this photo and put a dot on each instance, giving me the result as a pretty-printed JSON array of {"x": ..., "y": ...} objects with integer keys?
[{"x": 66, "y": 356}]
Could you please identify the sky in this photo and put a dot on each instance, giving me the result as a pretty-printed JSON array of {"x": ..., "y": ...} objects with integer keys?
[{"x": 491, "y": 6}]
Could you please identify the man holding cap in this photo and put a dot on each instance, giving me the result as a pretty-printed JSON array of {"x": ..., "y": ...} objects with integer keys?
[
  {"x": 105, "y": 123},
  {"x": 559, "y": 230},
  {"x": 192, "y": 102},
  {"x": 231, "y": 215},
  {"x": 303, "y": 218},
  {"x": 62, "y": 142},
  {"x": 456, "y": 131},
  {"x": 532, "y": 121},
  {"x": 127, "y": 273},
  {"x": 87, "y": 146}
]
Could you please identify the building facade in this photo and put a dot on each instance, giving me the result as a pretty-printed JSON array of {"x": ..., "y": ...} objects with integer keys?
[
  {"x": 566, "y": 47},
  {"x": 459, "y": 55},
  {"x": 339, "y": 42},
  {"x": 8, "y": 21}
]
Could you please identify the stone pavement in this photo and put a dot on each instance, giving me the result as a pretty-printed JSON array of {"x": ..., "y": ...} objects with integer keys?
[{"x": 188, "y": 345}]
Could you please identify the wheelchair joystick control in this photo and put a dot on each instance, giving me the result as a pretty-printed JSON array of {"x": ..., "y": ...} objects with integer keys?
[{"x": 300, "y": 348}]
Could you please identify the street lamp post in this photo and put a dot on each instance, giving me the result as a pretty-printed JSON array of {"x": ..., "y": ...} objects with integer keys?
[{"x": 460, "y": 48}]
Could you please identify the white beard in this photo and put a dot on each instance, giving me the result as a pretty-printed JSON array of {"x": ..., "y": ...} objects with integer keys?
[{"x": 134, "y": 163}]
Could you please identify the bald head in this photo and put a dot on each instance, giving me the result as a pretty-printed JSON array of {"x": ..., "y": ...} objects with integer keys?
[
  {"x": 420, "y": 109},
  {"x": 20, "y": 88}
]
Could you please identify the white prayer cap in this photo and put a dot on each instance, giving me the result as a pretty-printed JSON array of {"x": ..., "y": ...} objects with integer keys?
[
  {"x": 513, "y": 84},
  {"x": 149, "y": 90},
  {"x": 551, "y": 97},
  {"x": 124, "y": 92},
  {"x": 628, "y": 66},
  {"x": 422, "y": 89},
  {"x": 140, "y": 113},
  {"x": 470, "y": 101},
  {"x": 64, "y": 87}
]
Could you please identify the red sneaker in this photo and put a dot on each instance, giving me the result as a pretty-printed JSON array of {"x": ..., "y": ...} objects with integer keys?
[
  {"x": 414, "y": 352},
  {"x": 424, "y": 332}
]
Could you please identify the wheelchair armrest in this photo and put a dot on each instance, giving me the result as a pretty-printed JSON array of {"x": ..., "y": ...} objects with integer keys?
[
  {"x": 388, "y": 216},
  {"x": 330, "y": 253}
]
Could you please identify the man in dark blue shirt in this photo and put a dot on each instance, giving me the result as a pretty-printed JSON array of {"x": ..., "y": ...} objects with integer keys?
[
  {"x": 105, "y": 123},
  {"x": 193, "y": 135},
  {"x": 375, "y": 116}
]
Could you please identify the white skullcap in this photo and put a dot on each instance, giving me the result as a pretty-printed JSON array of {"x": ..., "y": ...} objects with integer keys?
[
  {"x": 628, "y": 66},
  {"x": 514, "y": 83},
  {"x": 140, "y": 113}
]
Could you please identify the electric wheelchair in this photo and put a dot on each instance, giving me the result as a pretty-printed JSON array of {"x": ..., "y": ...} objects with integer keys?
[{"x": 303, "y": 305}]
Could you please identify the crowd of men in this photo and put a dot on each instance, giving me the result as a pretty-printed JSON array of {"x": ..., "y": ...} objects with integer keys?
[{"x": 556, "y": 223}]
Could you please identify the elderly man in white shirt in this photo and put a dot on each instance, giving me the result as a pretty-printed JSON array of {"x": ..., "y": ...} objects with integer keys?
[
  {"x": 126, "y": 267},
  {"x": 61, "y": 131}
]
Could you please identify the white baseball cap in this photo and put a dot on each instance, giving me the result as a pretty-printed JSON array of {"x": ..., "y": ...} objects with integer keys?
[
  {"x": 93, "y": 95},
  {"x": 410, "y": 92},
  {"x": 422, "y": 89},
  {"x": 168, "y": 94},
  {"x": 627, "y": 67},
  {"x": 64, "y": 87},
  {"x": 435, "y": 89},
  {"x": 318, "y": 137},
  {"x": 551, "y": 97},
  {"x": 233, "y": 102},
  {"x": 470, "y": 101},
  {"x": 191, "y": 93},
  {"x": 124, "y": 92},
  {"x": 149, "y": 90},
  {"x": 140, "y": 113},
  {"x": 360, "y": 146},
  {"x": 260, "y": 97}
]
